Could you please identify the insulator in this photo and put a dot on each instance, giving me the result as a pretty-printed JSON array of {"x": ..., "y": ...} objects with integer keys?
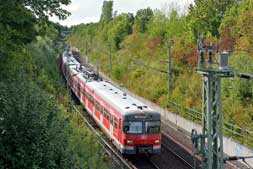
[
  {"x": 210, "y": 56},
  {"x": 202, "y": 56},
  {"x": 201, "y": 59},
  {"x": 245, "y": 76},
  {"x": 223, "y": 60}
]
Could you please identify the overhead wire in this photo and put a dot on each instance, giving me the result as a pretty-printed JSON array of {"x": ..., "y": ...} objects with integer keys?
[{"x": 140, "y": 63}]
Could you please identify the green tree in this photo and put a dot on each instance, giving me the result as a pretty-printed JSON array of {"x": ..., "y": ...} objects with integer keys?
[
  {"x": 157, "y": 26},
  {"x": 107, "y": 8},
  {"x": 19, "y": 20},
  {"x": 143, "y": 16},
  {"x": 121, "y": 27},
  {"x": 32, "y": 131},
  {"x": 206, "y": 15},
  {"x": 45, "y": 8}
]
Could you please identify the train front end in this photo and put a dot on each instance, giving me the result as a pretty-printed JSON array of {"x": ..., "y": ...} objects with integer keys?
[{"x": 141, "y": 133}]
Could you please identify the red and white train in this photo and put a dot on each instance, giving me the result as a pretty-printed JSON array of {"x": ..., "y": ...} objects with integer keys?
[{"x": 132, "y": 126}]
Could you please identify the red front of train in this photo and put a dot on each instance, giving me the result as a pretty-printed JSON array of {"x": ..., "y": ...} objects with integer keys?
[{"x": 141, "y": 133}]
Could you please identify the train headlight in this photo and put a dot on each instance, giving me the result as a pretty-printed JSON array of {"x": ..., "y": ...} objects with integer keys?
[
  {"x": 157, "y": 141},
  {"x": 129, "y": 142}
]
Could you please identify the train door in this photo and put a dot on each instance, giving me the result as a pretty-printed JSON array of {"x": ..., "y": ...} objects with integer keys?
[
  {"x": 92, "y": 102},
  {"x": 111, "y": 123},
  {"x": 101, "y": 113},
  {"x": 120, "y": 130},
  {"x": 82, "y": 94},
  {"x": 86, "y": 97},
  {"x": 78, "y": 90}
]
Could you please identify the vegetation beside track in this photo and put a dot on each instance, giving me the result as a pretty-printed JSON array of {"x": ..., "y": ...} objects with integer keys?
[
  {"x": 35, "y": 129},
  {"x": 143, "y": 38}
]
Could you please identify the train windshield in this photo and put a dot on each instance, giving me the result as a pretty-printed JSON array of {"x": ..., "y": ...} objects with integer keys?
[
  {"x": 152, "y": 127},
  {"x": 142, "y": 127},
  {"x": 133, "y": 127}
]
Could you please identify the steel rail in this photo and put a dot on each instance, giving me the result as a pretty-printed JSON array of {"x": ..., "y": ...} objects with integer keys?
[
  {"x": 154, "y": 165},
  {"x": 173, "y": 152},
  {"x": 177, "y": 155}
]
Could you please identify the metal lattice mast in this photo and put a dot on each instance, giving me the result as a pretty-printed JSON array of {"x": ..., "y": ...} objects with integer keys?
[
  {"x": 209, "y": 144},
  {"x": 212, "y": 122}
]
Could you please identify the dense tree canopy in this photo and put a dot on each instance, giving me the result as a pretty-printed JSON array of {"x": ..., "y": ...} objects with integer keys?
[
  {"x": 45, "y": 8},
  {"x": 18, "y": 20},
  {"x": 121, "y": 27},
  {"x": 32, "y": 133},
  {"x": 206, "y": 15},
  {"x": 107, "y": 10},
  {"x": 35, "y": 130},
  {"x": 143, "y": 16}
]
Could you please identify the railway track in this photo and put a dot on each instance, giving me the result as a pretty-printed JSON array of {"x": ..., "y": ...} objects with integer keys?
[
  {"x": 183, "y": 154},
  {"x": 144, "y": 163},
  {"x": 169, "y": 159},
  {"x": 178, "y": 156}
]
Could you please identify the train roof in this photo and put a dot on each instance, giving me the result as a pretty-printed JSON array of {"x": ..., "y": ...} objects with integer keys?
[
  {"x": 123, "y": 102},
  {"x": 126, "y": 103}
]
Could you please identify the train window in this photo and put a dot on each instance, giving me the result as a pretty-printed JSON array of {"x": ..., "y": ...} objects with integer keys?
[
  {"x": 90, "y": 98},
  {"x": 99, "y": 107},
  {"x": 115, "y": 123},
  {"x": 106, "y": 114},
  {"x": 152, "y": 127},
  {"x": 133, "y": 127},
  {"x": 111, "y": 119},
  {"x": 96, "y": 105},
  {"x": 83, "y": 92}
]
